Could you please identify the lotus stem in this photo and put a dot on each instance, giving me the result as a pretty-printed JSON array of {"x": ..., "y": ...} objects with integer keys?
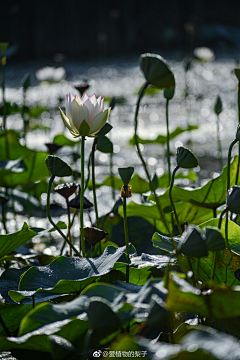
[
  {"x": 4, "y": 111},
  {"x": 4, "y": 217},
  {"x": 228, "y": 166},
  {"x": 168, "y": 151},
  {"x": 73, "y": 218},
  {"x": 238, "y": 165},
  {"x": 25, "y": 122},
  {"x": 69, "y": 230},
  {"x": 191, "y": 268},
  {"x": 238, "y": 101},
  {"x": 14, "y": 209},
  {"x": 69, "y": 227},
  {"x": 170, "y": 195},
  {"x": 229, "y": 162},
  {"x": 171, "y": 328},
  {"x": 215, "y": 212},
  {"x": 62, "y": 248},
  {"x": 167, "y": 272},
  {"x": 221, "y": 216},
  {"x": 126, "y": 234},
  {"x": 94, "y": 187},
  {"x": 162, "y": 217},
  {"x": 168, "y": 143},
  {"x": 82, "y": 243},
  {"x": 219, "y": 144},
  {"x": 111, "y": 168},
  {"x": 50, "y": 219},
  {"x": 198, "y": 268},
  {"x": 93, "y": 181},
  {"x": 226, "y": 228},
  {"x": 88, "y": 167},
  {"x": 239, "y": 143},
  {"x": 3, "y": 97},
  {"x": 112, "y": 177}
]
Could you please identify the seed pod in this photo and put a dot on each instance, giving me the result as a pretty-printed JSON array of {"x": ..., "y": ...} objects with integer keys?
[
  {"x": 94, "y": 235},
  {"x": 66, "y": 190},
  {"x": 126, "y": 191}
]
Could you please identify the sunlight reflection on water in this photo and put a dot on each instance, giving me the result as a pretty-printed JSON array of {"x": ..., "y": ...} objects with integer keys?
[{"x": 123, "y": 79}]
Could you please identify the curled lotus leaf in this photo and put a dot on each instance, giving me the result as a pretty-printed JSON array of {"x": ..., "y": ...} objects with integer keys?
[
  {"x": 156, "y": 71},
  {"x": 233, "y": 199},
  {"x": 185, "y": 158}
]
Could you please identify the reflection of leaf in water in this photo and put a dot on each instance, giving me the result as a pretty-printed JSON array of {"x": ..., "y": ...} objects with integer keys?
[{"x": 162, "y": 139}]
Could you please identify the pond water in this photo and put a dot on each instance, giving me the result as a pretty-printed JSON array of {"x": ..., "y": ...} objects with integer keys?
[{"x": 123, "y": 78}]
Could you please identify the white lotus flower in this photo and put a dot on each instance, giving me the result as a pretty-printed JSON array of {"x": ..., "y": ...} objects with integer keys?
[
  {"x": 204, "y": 54},
  {"x": 51, "y": 74},
  {"x": 86, "y": 108}
]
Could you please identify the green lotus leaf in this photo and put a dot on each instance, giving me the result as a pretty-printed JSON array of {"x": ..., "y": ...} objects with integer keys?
[
  {"x": 10, "y": 242},
  {"x": 126, "y": 174},
  {"x": 81, "y": 272},
  {"x": 105, "y": 145},
  {"x": 233, "y": 199},
  {"x": 237, "y": 73},
  {"x": 61, "y": 139},
  {"x": 238, "y": 132},
  {"x": 57, "y": 167},
  {"x": 156, "y": 71},
  {"x": 162, "y": 139},
  {"x": 192, "y": 243},
  {"x": 105, "y": 129},
  {"x": 213, "y": 238},
  {"x": 185, "y": 158}
]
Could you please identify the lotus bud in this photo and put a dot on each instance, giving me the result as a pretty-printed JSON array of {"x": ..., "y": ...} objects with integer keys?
[
  {"x": 218, "y": 106},
  {"x": 66, "y": 190},
  {"x": 26, "y": 81},
  {"x": 51, "y": 74},
  {"x": 75, "y": 202},
  {"x": 204, "y": 54},
  {"x": 169, "y": 93}
]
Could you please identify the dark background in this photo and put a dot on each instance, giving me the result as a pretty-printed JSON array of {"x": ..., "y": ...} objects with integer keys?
[{"x": 107, "y": 28}]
